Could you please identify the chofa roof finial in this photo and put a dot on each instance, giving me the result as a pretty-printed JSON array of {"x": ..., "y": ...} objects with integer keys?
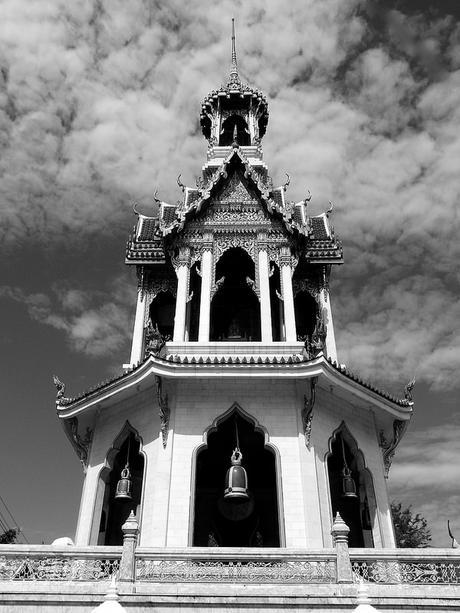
[{"x": 234, "y": 78}]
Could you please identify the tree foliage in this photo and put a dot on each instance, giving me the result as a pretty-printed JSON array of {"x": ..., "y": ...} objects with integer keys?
[
  {"x": 411, "y": 530},
  {"x": 9, "y": 536}
]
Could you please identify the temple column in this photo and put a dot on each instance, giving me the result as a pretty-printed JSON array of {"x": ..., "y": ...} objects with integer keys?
[
  {"x": 325, "y": 306},
  {"x": 182, "y": 272},
  {"x": 264, "y": 288},
  {"x": 288, "y": 298},
  {"x": 205, "y": 298},
  {"x": 137, "y": 347}
]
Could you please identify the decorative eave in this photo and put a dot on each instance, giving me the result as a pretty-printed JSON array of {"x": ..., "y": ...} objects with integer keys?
[{"x": 293, "y": 367}]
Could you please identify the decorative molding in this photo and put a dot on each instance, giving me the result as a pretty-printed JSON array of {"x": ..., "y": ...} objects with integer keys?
[
  {"x": 79, "y": 443},
  {"x": 225, "y": 242},
  {"x": 389, "y": 447},
  {"x": 307, "y": 411},
  {"x": 165, "y": 411}
]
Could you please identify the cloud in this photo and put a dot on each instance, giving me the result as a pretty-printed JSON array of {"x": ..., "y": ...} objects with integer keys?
[
  {"x": 99, "y": 105},
  {"x": 93, "y": 326}
]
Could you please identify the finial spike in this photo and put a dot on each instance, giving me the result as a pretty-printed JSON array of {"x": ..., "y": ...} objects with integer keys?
[{"x": 234, "y": 68}]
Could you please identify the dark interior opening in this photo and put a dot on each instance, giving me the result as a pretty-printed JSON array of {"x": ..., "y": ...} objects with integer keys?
[
  {"x": 352, "y": 510},
  {"x": 116, "y": 511},
  {"x": 228, "y": 131},
  {"x": 193, "y": 306},
  {"x": 306, "y": 310},
  {"x": 235, "y": 308},
  {"x": 162, "y": 311},
  {"x": 229, "y": 523},
  {"x": 275, "y": 303}
]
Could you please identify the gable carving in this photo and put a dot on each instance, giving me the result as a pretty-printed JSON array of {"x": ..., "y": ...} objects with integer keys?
[{"x": 235, "y": 191}]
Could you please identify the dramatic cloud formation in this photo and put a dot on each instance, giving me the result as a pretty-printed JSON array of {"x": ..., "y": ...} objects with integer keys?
[{"x": 99, "y": 105}]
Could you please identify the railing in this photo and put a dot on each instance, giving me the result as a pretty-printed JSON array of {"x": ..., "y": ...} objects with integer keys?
[
  {"x": 219, "y": 566},
  {"x": 20, "y": 563},
  {"x": 422, "y": 566},
  {"x": 47, "y": 563}
]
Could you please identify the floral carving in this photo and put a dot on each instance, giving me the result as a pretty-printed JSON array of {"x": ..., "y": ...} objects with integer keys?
[
  {"x": 307, "y": 411},
  {"x": 165, "y": 411},
  {"x": 79, "y": 443},
  {"x": 389, "y": 447}
]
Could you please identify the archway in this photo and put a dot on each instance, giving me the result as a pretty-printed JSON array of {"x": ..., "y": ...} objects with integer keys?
[
  {"x": 227, "y": 134},
  {"x": 276, "y": 304},
  {"x": 162, "y": 312},
  {"x": 306, "y": 310},
  {"x": 251, "y": 523},
  {"x": 235, "y": 308},
  {"x": 115, "y": 511},
  {"x": 193, "y": 305},
  {"x": 359, "y": 511}
]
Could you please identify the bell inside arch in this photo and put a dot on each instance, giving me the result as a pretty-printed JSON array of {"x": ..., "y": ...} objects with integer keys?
[
  {"x": 124, "y": 485},
  {"x": 236, "y": 480},
  {"x": 348, "y": 484}
]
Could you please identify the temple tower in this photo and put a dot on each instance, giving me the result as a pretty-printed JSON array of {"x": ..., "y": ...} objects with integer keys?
[{"x": 233, "y": 349}]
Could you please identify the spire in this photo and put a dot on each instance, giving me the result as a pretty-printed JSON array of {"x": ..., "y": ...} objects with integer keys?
[{"x": 234, "y": 77}]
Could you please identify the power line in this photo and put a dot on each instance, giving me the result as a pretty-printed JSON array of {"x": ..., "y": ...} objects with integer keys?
[{"x": 5, "y": 524}]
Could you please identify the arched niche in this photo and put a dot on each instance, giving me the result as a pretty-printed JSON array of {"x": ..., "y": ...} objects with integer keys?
[
  {"x": 110, "y": 513},
  {"x": 162, "y": 310},
  {"x": 360, "y": 512},
  {"x": 276, "y": 304},
  {"x": 193, "y": 305},
  {"x": 306, "y": 312},
  {"x": 235, "y": 308},
  {"x": 216, "y": 522},
  {"x": 229, "y": 126}
]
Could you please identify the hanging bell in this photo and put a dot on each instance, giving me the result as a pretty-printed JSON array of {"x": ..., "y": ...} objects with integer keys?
[
  {"x": 348, "y": 484},
  {"x": 123, "y": 490},
  {"x": 236, "y": 480}
]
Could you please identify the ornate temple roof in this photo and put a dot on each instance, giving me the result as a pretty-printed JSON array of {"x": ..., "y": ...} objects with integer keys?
[
  {"x": 296, "y": 365},
  {"x": 146, "y": 244}
]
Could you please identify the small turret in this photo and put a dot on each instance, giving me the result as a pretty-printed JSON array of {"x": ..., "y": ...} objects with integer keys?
[{"x": 235, "y": 113}]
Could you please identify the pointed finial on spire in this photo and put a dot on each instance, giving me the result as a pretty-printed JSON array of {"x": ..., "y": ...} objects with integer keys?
[{"x": 234, "y": 78}]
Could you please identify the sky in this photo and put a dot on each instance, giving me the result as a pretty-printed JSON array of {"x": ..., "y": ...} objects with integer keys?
[{"x": 99, "y": 107}]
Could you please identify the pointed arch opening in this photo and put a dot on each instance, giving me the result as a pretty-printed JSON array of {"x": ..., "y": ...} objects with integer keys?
[
  {"x": 254, "y": 522},
  {"x": 235, "y": 308},
  {"x": 162, "y": 311},
  {"x": 234, "y": 123},
  {"x": 306, "y": 312},
  {"x": 276, "y": 304},
  {"x": 112, "y": 512},
  {"x": 359, "y": 512},
  {"x": 193, "y": 305}
]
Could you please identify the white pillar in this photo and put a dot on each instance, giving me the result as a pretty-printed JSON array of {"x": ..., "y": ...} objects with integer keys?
[
  {"x": 325, "y": 305},
  {"x": 182, "y": 272},
  {"x": 265, "y": 307},
  {"x": 205, "y": 298},
  {"x": 137, "y": 348},
  {"x": 288, "y": 298}
]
